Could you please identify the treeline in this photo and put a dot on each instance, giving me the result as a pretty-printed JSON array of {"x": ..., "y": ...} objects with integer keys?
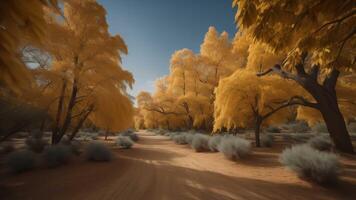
[{"x": 288, "y": 61}]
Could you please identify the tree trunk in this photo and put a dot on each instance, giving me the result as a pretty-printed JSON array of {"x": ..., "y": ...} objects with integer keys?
[
  {"x": 258, "y": 123},
  {"x": 334, "y": 121},
  {"x": 106, "y": 135},
  {"x": 326, "y": 98},
  {"x": 68, "y": 118},
  {"x": 59, "y": 113}
]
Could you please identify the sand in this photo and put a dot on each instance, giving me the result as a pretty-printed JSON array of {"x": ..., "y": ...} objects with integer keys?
[{"x": 158, "y": 169}]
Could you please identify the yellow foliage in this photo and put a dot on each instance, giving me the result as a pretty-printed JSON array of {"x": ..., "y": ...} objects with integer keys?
[
  {"x": 320, "y": 28},
  {"x": 242, "y": 96},
  {"x": 22, "y": 22},
  {"x": 88, "y": 59}
]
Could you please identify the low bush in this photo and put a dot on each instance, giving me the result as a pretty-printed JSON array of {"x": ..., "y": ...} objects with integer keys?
[
  {"x": 267, "y": 140},
  {"x": 189, "y": 138},
  {"x": 320, "y": 142},
  {"x": 36, "y": 145},
  {"x": 320, "y": 128},
  {"x": 297, "y": 127},
  {"x": 96, "y": 151},
  {"x": 161, "y": 132},
  {"x": 75, "y": 147},
  {"x": 124, "y": 142},
  {"x": 273, "y": 129},
  {"x": 297, "y": 137},
  {"x": 57, "y": 155},
  {"x": 133, "y": 136},
  {"x": 20, "y": 161},
  {"x": 172, "y": 135},
  {"x": 214, "y": 142},
  {"x": 311, "y": 164},
  {"x": 234, "y": 147},
  {"x": 179, "y": 139},
  {"x": 200, "y": 142}
]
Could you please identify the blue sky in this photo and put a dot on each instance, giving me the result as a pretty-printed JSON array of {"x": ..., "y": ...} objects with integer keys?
[{"x": 154, "y": 29}]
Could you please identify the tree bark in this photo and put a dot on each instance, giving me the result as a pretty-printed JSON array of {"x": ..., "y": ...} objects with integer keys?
[
  {"x": 326, "y": 98},
  {"x": 59, "y": 113},
  {"x": 68, "y": 117},
  {"x": 334, "y": 120},
  {"x": 258, "y": 123}
]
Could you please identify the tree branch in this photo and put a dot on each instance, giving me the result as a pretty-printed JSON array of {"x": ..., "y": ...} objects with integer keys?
[
  {"x": 295, "y": 100},
  {"x": 277, "y": 69},
  {"x": 314, "y": 72},
  {"x": 331, "y": 80}
]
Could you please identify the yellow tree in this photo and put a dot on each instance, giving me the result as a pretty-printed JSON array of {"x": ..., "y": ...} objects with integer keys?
[
  {"x": 85, "y": 79},
  {"x": 244, "y": 100},
  {"x": 189, "y": 88},
  {"x": 319, "y": 37},
  {"x": 145, "y": 105},
  {"x": 21, "y": 22},
  {"x": 218, "y": 52}
]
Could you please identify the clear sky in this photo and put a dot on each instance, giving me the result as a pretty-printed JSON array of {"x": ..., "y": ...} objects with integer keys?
[{"x": 154, "y": 29}]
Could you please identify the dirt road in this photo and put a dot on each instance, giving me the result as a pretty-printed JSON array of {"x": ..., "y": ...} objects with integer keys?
[{"x": 158, "y": 169}]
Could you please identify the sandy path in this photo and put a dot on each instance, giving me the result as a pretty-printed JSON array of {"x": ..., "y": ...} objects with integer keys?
[{"x": 158, "y": 169}]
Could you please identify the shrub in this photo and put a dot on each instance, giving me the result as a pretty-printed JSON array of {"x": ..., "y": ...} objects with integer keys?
[
  {"x": 320, "y": 128},
  {"x": 75, "y": 147},
  {"x": 273, "y": 129},
  {"x": 161, "y": 132},
  {"x": 171, "y": 136},
  {"x": 320, "y": 142},
  {"x": 317, "y": 166},
  {"x": 133, "y": 136},
  {"x": 297, "y": 137},
  {"x": 124, "y": 142},
  {"x": 179, "y": 139},
  {"x": 234, "y": 147},
  {"x": 267, "y": 140},
  {"x": 298, "y": 127},
  {"x": 20, "y": 161},
  {"x": 214, "y": 142},
  {"x": 57, "y": 155},
  {"x": 35, "y": 144},
  {"x": 200, "y": 142},
  {"x": 189, "y": 138},
  {"x": 96, "y": 151}
]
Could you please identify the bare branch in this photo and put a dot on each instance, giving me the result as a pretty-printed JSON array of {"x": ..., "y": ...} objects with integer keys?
[
  {"x": 277, "y": 69},
  {"x": 338, "y": 21},
  {"x": 295, "y": 100}
]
